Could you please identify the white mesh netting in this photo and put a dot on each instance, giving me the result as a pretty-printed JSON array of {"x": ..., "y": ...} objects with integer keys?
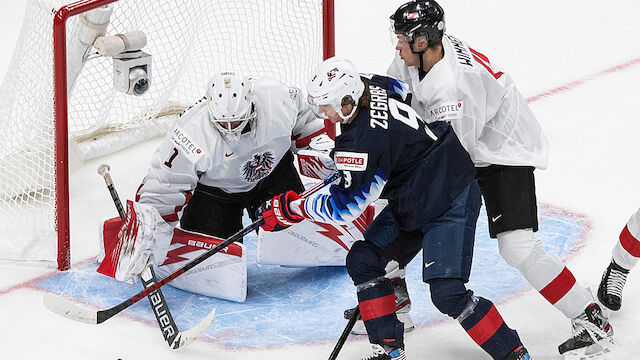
[{"x": 189, "y": 41}]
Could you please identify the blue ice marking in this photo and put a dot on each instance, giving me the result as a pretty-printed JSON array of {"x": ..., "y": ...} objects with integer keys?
[{"x": 303, "y": 305}]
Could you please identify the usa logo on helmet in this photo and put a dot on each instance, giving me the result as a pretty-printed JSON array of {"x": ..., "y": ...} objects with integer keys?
[{"x": 332, "y": 74}]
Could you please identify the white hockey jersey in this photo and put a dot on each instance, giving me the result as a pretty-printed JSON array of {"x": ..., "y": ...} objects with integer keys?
[
  {"x": 490, "y": 116},
  {"x": 195, "y": 152}
]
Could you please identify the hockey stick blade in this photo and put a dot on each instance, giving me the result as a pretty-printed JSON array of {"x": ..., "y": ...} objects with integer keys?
[
  {"x": 185, "y": 338},
  {"x": 69, "y": 310}
]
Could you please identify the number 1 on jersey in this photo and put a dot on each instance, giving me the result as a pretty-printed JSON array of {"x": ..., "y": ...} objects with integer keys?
[{"x": 173, "y": 156}]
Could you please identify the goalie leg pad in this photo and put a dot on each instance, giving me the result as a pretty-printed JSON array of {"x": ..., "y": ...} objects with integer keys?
[
  {"x": 311, "y": 244},
  {"x": 223, "y": 275}
]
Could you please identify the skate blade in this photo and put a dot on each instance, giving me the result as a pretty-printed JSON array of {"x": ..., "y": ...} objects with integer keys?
[{"x": 601, "y": 351}]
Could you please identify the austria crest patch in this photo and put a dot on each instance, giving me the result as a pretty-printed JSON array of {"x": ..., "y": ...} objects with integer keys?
[{"x": 259, "y": 166}]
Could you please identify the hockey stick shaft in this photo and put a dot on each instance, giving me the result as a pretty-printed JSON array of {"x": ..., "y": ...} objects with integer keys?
[
  {"x": 103, "y": 315},
  {"x": 157, "y": 300},
  {"x": 345, "y": 334}
]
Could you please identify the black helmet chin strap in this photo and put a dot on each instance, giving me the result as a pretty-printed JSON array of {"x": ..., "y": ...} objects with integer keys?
[{"x": 421, "y": 72}]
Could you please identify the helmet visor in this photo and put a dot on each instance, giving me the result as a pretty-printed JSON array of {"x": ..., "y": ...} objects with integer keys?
[
  {"x": 315, "y": 107},
  {"x": 393, "y": 35},
  {"x": 397, "y": 35}
]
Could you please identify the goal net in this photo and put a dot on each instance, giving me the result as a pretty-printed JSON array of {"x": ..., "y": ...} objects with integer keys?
[{"x": 188, "y": 40}]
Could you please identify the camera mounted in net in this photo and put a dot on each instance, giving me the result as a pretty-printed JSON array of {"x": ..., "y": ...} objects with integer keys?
[{"x": 131, "y": 65}]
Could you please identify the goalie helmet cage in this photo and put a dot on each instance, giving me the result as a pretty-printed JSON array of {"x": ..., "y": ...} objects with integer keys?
[{"x": 57, "y": 101}]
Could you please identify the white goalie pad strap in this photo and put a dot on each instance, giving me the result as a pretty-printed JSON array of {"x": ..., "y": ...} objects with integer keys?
[
  {"x": 146, "y": 237},
  {"x": 223, "y": 275},
  {"x": 315, "y": 164},
  {"x": 311, "y": 244}
]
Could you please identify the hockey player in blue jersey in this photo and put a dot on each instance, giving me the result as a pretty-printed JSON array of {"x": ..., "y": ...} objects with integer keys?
[{"x": 386, "y": 151}]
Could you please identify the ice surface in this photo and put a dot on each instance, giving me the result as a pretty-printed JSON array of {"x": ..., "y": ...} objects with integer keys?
[{"x": 589, "y": 190}]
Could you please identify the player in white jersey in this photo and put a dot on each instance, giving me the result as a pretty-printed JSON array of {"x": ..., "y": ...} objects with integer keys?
[
  {"x": 624, "y": 257},
  {"x": 229, "y": 152},
  {"x": 455, "y": 83}
]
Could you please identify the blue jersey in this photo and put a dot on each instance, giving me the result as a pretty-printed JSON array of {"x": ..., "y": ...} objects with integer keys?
[{"x": 388, "y": 152}]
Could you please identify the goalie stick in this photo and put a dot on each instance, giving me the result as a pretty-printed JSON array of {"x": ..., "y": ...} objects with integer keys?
[
  {"x": 70, "y": 310},
  {"x": 174, "y": 338}
]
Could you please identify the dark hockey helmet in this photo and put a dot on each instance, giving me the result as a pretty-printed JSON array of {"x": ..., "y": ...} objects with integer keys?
[{"x": 419, "y": 17}]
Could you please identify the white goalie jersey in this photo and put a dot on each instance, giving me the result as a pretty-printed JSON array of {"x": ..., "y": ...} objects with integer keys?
[
  {"x": 482, "y": 104},
  {"x": 196, "y": 152}
]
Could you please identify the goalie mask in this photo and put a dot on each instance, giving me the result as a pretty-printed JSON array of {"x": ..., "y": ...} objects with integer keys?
[
  {"x": 335, "y": 82},
  {"x": 229, "y": 103}
]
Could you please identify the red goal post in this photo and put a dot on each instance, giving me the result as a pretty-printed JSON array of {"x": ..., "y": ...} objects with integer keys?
[{"x": 62, "y": 89}]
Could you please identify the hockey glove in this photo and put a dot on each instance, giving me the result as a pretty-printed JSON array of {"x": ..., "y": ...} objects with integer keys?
[
  {"x": 276, "y": 212},
  {"x": 143, "y": 235}
]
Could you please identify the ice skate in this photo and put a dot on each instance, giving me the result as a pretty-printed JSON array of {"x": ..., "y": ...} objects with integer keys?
[
  {"x": 403, "y": 306},
  {"x": 386, "y": 352},
  {"x": 592, "y": 336},
  {"x": 520, "y": 353},
  {"x": 611, "y": 285}
]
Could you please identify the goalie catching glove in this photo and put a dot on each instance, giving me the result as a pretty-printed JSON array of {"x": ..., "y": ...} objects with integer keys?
[
  {"x": 276, "y": 212},
  {"x": 143, "y": 235}
]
